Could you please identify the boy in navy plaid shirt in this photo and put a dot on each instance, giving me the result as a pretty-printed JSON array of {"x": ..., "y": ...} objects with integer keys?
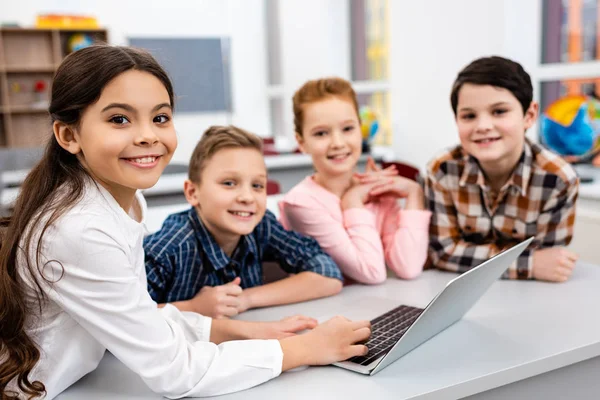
[
  {"x": 497, "y": 188},
  {"x": 209, "y": 259}
]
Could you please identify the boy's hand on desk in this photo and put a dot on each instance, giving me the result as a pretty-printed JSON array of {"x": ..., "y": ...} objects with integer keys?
[
  {"x": 554, "y": 264},
  {"x": 244, "y": 303},
  {"x": 218, "y": 301}
]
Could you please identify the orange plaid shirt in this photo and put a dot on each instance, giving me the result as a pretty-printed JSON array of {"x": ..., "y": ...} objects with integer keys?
[{"x": 468, "y": 226}]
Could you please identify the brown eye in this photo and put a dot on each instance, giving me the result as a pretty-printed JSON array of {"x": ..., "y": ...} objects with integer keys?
[
  {"x": 119, "y": 120},
  {"x": 161, "y": 119}
]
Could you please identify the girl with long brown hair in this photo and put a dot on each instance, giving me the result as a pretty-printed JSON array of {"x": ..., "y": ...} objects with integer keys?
[{"x": 72, "y": 277}]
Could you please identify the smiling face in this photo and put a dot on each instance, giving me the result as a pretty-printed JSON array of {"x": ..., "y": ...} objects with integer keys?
[
  {"x": 231, "y": 197},
  {"x": 331, "y": 135},
  {"x": 491, "y": 126},
  {"x": 126, "y": 139}
]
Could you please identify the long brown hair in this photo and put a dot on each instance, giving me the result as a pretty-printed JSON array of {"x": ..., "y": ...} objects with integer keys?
[{"x": 78, "y": 83}]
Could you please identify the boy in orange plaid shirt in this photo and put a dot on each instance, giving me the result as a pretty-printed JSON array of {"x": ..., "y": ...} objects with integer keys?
[{"x": 497, "y": 188}]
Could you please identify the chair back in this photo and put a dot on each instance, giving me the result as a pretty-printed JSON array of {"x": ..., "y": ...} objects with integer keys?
[{"x": 405, "y": 170}]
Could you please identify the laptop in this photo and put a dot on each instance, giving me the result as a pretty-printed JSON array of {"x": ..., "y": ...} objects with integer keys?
[{"x": 404, "y": 328}]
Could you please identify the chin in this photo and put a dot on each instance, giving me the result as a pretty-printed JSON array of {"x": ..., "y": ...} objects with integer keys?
[
  {"x": 242, "y": 231},
  {"x": 489, "y": 158},
  {"x": 337, "y": 169},
  {"x": 146, "y": 184}
]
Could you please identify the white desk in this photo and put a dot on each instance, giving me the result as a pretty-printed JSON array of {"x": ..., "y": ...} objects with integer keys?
[{"x": 549, "y": 333}]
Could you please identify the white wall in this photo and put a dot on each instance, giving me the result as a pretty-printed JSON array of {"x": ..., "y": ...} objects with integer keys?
[
  {"x": 314, "y": 42},
  {"x": 430, "y": 42},
  {"x": 240, "y": 20}
]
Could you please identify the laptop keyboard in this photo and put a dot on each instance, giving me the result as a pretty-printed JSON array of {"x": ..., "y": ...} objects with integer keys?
[{"x": 385, "y": 332}]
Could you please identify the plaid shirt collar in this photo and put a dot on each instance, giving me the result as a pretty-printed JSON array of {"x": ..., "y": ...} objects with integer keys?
[
  {"x": 217, "y": 257},
  {"x": 519, "y": 180}
]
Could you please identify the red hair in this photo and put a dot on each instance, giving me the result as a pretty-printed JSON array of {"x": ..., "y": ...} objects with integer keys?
[{"x": 318, "y": 90}]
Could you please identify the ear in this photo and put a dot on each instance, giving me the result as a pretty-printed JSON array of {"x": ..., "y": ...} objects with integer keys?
[
  {"x": 191, "y": 189},
  {"x": 300, "y": 141},
  {"x": 531, "y": 114},
  {"x": 66, "y": 137}
]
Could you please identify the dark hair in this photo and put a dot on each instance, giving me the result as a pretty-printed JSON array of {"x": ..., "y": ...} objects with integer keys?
[
  {"x": 216, "y": 138},
  {"x": 78, "y": 83},
  {"x": 495, "y": 71},
  {"x": 317, "y": 90}
]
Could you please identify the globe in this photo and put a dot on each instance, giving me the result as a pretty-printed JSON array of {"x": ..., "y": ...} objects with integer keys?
[
  {"x": 369, "y": 125},
  {"x": 78, "y": 41},
  {"x": 571, "y": 127}
]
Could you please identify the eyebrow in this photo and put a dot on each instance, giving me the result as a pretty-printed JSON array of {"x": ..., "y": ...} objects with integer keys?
[
  {"x": 318, "y": 128},
  {"x": 235, "y": 172},
  {"x": 500, "y": 103},
  {"x": 129, "y": 108}
]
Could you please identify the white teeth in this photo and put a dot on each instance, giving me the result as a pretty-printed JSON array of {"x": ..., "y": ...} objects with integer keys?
[
  {"x": 338, "y": 156},
  {"x": 242, "y": 213},
  {"x": 145, "y": 160}
]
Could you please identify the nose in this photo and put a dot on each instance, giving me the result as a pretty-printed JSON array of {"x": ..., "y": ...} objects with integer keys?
[
  {"x": 337, "y": 139},
  {"x": 245, "y": 194},
  {"x": 484, "y": 124},
  {"x": 146, "y": 136}
]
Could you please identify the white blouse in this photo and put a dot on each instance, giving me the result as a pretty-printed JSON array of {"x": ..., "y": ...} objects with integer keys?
[{"x": 98, "y": 300}]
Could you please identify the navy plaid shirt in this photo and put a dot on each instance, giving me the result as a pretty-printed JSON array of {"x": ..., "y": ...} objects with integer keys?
[{"x": 183, "y": 256}]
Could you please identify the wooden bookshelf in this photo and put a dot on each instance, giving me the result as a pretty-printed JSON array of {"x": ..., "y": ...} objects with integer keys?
[{"x": 28, "y": 58}]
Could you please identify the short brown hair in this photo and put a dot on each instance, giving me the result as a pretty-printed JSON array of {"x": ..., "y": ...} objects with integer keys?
[
  {"x": 499, "y": 72},
  {"x": 317, "y": 90},
  {"x": 217, "y": 138}
]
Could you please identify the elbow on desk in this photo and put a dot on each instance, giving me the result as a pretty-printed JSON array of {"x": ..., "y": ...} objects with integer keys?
[
  {"x": 409, "y": 274},
  {"x": 332, "y": 286},
  {"x": 375, "y": 277}
]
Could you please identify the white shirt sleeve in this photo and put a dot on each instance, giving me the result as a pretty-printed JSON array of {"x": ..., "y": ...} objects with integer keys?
[{"x": 97, "y": 286}]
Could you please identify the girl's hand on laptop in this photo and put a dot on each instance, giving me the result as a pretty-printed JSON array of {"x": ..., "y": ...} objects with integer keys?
[
  {"x": 554, "y": 264},
  {"x": 218, "y": 301},
  {"x": 330, "y": 342},
  {"x": 336, "y": 340}
]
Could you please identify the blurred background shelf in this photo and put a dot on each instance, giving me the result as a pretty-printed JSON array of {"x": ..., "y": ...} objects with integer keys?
[{"x": 28, "y": 60}]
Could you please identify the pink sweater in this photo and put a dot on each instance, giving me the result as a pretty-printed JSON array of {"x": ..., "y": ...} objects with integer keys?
[{"x": 360, "y": 240}]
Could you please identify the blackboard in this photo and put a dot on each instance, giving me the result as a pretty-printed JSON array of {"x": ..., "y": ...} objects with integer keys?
[{"x": 199, "y": 69}]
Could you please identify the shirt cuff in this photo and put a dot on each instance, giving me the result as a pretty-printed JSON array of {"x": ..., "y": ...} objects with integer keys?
[
  {"x": 263, "y": 354},
  {"x": 525, "y": 265},
  {"x": 205, "y": 325},
  {"x": 277, "y": 354},
  {"x": 358, "y": 216}
]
